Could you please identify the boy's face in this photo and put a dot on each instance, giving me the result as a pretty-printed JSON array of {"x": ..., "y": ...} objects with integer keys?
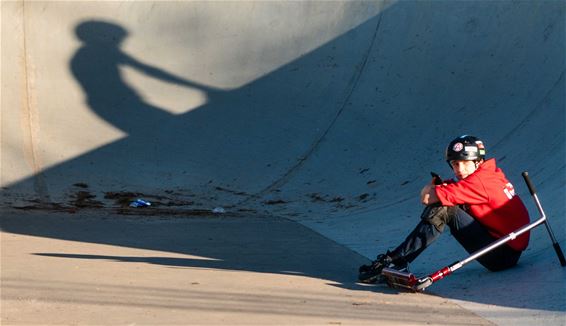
[{"x": 463, "y": 169}]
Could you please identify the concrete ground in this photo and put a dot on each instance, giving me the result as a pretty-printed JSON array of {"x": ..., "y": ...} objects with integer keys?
[
  {"x": 330, "y": 114},
  {"x": 107, "y": 269}
]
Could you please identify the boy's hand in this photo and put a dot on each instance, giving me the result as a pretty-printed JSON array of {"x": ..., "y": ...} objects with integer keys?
[{"x": 428, "y": 195}]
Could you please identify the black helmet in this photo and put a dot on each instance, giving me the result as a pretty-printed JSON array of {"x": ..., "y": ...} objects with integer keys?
[{"x": 465, "y": 148}]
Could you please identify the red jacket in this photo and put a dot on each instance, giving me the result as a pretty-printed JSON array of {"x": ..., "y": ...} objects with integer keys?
[{"x": 490, "y": 198}]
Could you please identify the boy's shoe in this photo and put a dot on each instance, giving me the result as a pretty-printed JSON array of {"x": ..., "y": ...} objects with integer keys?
[{"x": 371, "y": 274}]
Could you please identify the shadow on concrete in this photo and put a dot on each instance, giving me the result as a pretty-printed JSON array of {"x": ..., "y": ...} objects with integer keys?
[
  {"x": 260, "y": 244},
  {"x": 246, "y": 145}
]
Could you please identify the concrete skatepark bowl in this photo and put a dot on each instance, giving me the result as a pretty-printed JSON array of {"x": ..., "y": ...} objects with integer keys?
[{"x": 328, "y": 114}]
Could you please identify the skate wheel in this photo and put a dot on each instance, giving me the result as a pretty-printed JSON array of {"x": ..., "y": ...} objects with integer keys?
[{"x": 422, "y": 284}]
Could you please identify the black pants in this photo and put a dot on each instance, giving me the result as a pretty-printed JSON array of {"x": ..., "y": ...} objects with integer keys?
[{"x": 467, "y": 231}]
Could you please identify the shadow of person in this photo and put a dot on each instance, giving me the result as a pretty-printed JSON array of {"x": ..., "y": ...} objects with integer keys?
[
  {"x": 336, "y": 274},
  {"x": 96, "y": 66}
]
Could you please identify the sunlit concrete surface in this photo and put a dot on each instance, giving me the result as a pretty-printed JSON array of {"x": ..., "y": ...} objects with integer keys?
[
  {"x": 70, "y": 270},
  {"x": 330, "y": 114}
]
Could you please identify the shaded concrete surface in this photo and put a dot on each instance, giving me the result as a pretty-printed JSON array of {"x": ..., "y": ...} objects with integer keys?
[
  {"x": 219, "y": 270},
  {"x": 330, "y": 114}
]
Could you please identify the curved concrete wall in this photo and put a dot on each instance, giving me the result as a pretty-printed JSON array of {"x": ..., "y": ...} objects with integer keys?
[{"x": 330, "y": 113}]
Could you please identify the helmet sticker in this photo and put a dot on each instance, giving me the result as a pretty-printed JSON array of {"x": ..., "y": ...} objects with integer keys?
[
  {"x": 457, "y": 147},
  {"x": 471, "y": 149},
  {"x": 480, "y": 144}
]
